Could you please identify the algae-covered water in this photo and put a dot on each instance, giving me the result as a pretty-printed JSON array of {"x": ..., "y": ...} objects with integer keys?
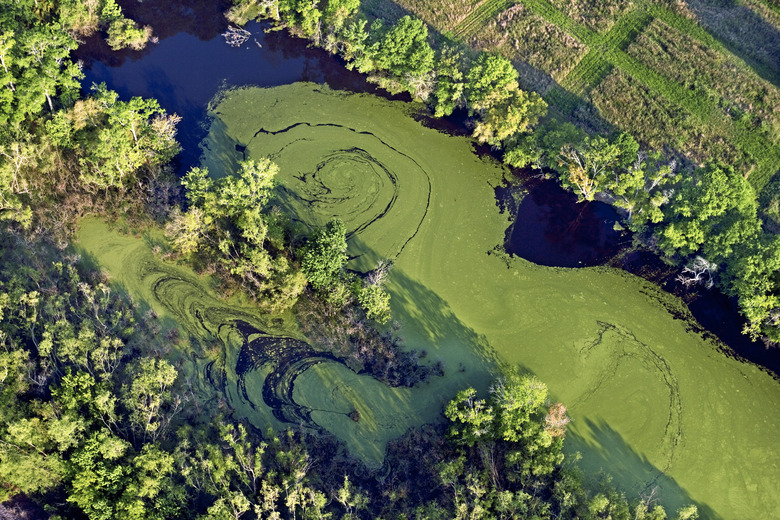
[{"x": 652, "y": 403}]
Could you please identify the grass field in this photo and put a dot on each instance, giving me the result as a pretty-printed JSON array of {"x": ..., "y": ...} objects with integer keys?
[
  {"x": 697, "y": 77},
  {"x": 520, "y": 32}
]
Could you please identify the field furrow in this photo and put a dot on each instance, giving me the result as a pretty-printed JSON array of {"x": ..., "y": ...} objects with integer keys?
[
  {"x": 594, "y": 66},
  {"x": 556, "y": 17},
  {"x": 480, "y": 17}
]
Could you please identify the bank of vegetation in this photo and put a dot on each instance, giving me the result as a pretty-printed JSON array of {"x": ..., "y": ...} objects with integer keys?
[
  {"x": 98, "y": 423},
  {"x": 706, "y": 219},
  {"x": 95, "y": 419}
]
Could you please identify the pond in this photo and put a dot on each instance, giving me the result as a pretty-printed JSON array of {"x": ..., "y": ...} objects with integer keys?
[{"x": 653, "y": 402}]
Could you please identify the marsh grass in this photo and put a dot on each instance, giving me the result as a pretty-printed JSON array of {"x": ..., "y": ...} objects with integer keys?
[
  {"x": 725, "y": 80},
  {"x": 443, "y": 15},
  {"x": 597, "y": 15},
  {"x": 749, "y": 30},
  {"x": 518, "y": 33}
]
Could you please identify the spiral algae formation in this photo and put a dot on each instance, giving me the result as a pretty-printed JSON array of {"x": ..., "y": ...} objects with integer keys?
[{"x": 652, "y": 402}]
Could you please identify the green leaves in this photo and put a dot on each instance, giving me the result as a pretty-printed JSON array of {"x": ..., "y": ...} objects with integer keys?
[
  {"x": 229, "y": 227},
  {"x": 376, "y": 302},
  {"x": 493, "y": 93},
  {"x": 325, "y": 255},
  {"x": 148, "y": 398},
  {"x": 491, "y": 80},
  {"x": 134, "y": 135},
  {"x": 474, "y": 418},
  {"x": 713, "y": 211},
  {"x": 404, "y": 49},
  {"x": 510, "y": 116}
]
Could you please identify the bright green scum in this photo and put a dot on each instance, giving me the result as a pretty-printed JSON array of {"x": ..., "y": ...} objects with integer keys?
[{"x": 652, "y": 403}]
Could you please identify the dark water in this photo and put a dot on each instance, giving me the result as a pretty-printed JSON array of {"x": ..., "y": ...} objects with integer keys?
[
  {"x": 192, "y": 62},
  {"x": 551, "y": 228},
  {"x": 190, "y": 65}
]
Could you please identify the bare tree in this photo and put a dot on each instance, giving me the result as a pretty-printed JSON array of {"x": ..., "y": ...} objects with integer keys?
[
  {"x": 699, "y": 271},
  {"x": 235, "y": 36}
]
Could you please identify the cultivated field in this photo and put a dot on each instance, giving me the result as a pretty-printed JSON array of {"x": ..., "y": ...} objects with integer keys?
[{"x": 696, "y": 77}]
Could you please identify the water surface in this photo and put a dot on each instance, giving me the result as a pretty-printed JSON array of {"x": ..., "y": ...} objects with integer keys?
[
  {"x": 652, "y": 401},
  {"x": 637, "y": 380}
]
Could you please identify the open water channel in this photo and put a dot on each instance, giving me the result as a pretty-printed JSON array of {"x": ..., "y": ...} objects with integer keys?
[{"x": 653, "y": 402}]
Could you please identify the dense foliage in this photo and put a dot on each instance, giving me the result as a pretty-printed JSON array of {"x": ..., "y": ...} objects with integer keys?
[
  {"x": 698, "y": 217},
  {"x": 95, "y": 421},
  {"x": 97, "y": 424}
]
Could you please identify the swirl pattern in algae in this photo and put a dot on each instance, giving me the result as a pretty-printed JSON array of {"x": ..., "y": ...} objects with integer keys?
[
  {"x": 653, "y": 403},
  {"x": 266, "y": 373}
]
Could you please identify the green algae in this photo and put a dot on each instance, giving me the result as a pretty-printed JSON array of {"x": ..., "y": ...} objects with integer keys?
[
  {"x": 652, "y": 402},
  {"x": 268, "y": 374}
]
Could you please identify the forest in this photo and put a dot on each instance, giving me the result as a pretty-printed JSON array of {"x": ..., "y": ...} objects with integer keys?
[{"x": 97, "y": 422}]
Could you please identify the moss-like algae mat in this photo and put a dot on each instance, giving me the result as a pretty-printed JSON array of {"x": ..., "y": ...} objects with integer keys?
[{"x": 652, "y": 402}]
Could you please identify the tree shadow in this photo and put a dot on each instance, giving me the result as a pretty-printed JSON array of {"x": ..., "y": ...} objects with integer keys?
[
  {"x": 429, "y": 323},
  {"x": 141, "y": 307},
  {"x": 727, "y": 21},
  {"x": 220, "y": 153},
  {"x": 632, "y": 473}
]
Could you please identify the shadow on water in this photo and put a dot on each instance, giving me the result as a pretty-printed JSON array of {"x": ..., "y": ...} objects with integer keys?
[
  {"x": 165, "y": 71},
  {"x": 548, "y": 227},
  {"x": 202, "y": 19},
  {"x": 632, "y": 473},
  {"x": 431, "y": 325},
  {"x": 716, "y": 315}
]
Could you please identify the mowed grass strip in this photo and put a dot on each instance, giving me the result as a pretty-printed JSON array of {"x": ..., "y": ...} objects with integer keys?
[
  {"x": 588, "y": 73},
  {"x": 761, "y": 151},
  {"x": 726, "y": 80},
  {"x": 480, "y": 17},
  {"x": 595, "y": 66},
  {"x": 547, "y": 11},
  {"x": 735, "y": 138}
]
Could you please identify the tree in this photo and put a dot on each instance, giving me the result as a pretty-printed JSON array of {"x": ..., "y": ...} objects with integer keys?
[
  {"x": 35, "y": 67},
  {"x": 303, "y": 14},
  {"x": 751, "y": 276},
  {"x": 594, "y": 165},
  {"x": 229, "y": 226},
  {"x": 404, "y": 49},
  {"x": 491, "y": 79},
  {"x": 510, "y": 116},
  {"x": 473, "y": 418},
  {"x": 449, "y": 93},
  {"x": 124, "y": 32},
  {"x": 376, "y": 302},
  {"x": 337, "y": 12},
  {"x": 356, "y": 49},
  {"x": 325, "y": 255},
  {"x": 713, "y": 210},
  {"x": 98, "y": 475},
  {"x": 17, "y": 159},
  {"x": 123, "y": 138},
  {"x": 644, "y": 189},
  {"x": 149, "y": 400}
]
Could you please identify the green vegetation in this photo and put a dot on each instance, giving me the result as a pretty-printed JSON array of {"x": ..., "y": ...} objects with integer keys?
[
  {"x": 121, "y": 435},
  {"x": 520, "y": 33},
  {"x": 104, "y": 401},
  {"x": 229, "y": 231},
  {"x": 639, "y": 72},
  {"x": 603, "y": 341}
]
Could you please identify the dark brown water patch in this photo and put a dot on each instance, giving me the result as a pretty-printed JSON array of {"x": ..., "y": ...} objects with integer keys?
[{"x": 551, "y": 228}]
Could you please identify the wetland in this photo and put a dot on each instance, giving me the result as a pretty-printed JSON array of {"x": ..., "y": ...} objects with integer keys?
[
  {"x": 650, "y": 399},
  {"x": 332, "y": 304}
]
